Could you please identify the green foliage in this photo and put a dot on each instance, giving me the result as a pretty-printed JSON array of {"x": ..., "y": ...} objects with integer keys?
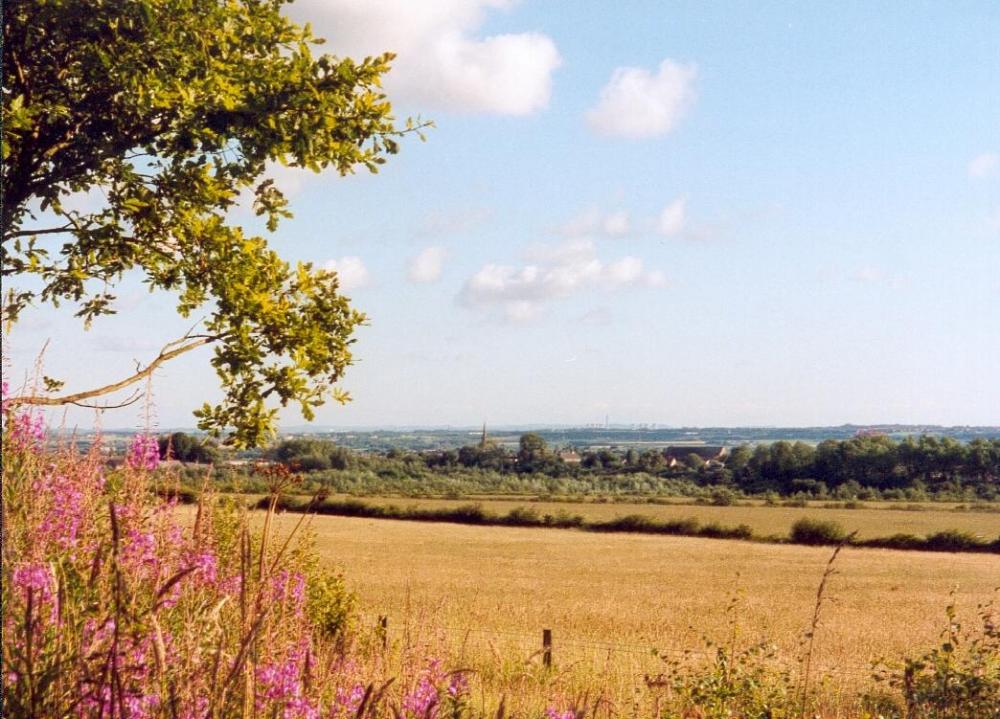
[
  {"x": 960, "y": 679},
  {"x": 817, "y": 531},
  {"x": 170, "y": 111},
  {"x": 954, "y": 540},
  {"x": 331, "y": 607}
]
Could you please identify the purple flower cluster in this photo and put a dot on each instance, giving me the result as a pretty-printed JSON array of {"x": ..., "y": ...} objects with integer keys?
[
  {"x": 27, "y": 430},
  {"x": 143, "y": 452},
  {"x": 458, "y": 685},
  {"x": 347, "y": 701},
  {"x": 116, "y": 577},
  {"x": 423, "y": 700},
  {"x": 281, "y": 683}
]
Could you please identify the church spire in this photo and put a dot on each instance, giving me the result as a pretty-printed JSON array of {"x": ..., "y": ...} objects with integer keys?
[{"x": 482, "y": 440}]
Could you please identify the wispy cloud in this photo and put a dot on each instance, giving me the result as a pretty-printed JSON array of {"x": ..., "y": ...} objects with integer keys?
[
  {"x": 594, "y": 222},
  {"x": 984, "y": 165},
  {"x": 427, "y": 265},
  {"x": 555, "y": 272},
  {"x": 637, "y": 103},
  {"x": 673, "y": 218}
]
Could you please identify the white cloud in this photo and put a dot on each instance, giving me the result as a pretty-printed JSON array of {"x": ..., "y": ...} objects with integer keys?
[
  {"x": 557, "y": 272},
  {"x": 984, "y": 165},
  {"x": 351, "y": 270},
  {"x": 672, "y": 218},
  {"x": 441, "y": 60},
  {"x": 593, "y": 221},
  {"x": 427, "y": 265},
  {"x": 636, "y": 103}
]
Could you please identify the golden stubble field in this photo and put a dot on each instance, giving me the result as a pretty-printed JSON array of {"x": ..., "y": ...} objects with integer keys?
[{"x": 482, "y": 595}]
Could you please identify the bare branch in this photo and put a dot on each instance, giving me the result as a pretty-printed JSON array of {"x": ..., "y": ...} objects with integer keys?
[
  {"x": 133, "y": 398},
  {"x": 180, "y": 347}
]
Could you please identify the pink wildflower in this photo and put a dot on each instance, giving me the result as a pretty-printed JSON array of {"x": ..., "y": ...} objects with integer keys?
[
  {"x": 458, "y": 685},
  {"x": 281, "y": 683},
  {"x": 27, "y": 430},
  {"x": 143, "y": 452},
  {"x": 65, "y": 499},
  {"x": 553, "y": 713},
  {"x": 34, "y": 577},
  {"x": 348, "y": 701},
  {"x": 422, "y": 701},
  {"x": 36, "y": 581},
  {"x": 206, "y": 566}
]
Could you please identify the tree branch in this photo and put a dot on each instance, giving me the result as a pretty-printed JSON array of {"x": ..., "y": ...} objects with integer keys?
[
  {"x": 180, "y": 347},
  {"x": 46, "y": 231},
  {"x": 133, "y": 398}
]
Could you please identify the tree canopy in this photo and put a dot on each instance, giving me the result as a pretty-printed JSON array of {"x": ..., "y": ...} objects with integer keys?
[{"x": 170, "y": 111}]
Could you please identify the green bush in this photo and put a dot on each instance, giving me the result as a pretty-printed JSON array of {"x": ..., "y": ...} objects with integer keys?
[
  {"x": 329, "y": 604},
  {"x": 817, "y": 531},
  {"x": 954, "y": 540}
]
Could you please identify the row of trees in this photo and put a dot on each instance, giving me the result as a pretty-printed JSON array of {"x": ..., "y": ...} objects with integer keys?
[
  {"x": 867, "y": 461},
  {"x": 847, "y": 467}
]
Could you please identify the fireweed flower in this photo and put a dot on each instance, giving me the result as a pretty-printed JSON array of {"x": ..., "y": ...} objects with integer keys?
[
  {"x": 281, "y": 683},
  {"x": 458, "y": 685},
  {"x": 143, "y": 452},
  {"x": 34, "y": 602},
  {"x": 553, "y": 713},
  {"x": 36, "y": 579},
  {"x": 347, "y": 701},
  {"x": 27, "y": 430},
  {"x": 422, "y": 701},
  {"x": 205, "y": 565},
  {"x": 63, "y": 501}
]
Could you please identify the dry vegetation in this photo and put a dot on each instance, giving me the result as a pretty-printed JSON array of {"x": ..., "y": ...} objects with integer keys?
[{"x": 484, "y": 594}]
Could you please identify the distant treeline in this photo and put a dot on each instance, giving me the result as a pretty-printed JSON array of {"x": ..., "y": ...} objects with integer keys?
[{"x": 863, "y": 467}]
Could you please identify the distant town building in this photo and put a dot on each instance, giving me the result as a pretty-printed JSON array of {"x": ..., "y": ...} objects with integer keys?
[{"x": 569, "y": 456}]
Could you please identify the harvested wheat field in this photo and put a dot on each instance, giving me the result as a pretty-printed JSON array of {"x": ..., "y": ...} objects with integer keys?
[{"x": 483, "y": 595}]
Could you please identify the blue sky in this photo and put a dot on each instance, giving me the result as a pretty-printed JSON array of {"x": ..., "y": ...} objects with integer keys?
[{"x": 676, "y": 213}]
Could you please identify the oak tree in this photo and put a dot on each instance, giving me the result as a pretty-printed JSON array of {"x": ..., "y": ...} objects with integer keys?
[{"x": 170, "y": 111}]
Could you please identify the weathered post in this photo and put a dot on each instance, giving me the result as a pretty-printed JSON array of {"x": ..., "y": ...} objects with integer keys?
[{"x": 547, "y": 648}]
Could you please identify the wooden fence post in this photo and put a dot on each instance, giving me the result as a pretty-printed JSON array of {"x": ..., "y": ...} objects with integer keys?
[{"x": 547, "y": 648}]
